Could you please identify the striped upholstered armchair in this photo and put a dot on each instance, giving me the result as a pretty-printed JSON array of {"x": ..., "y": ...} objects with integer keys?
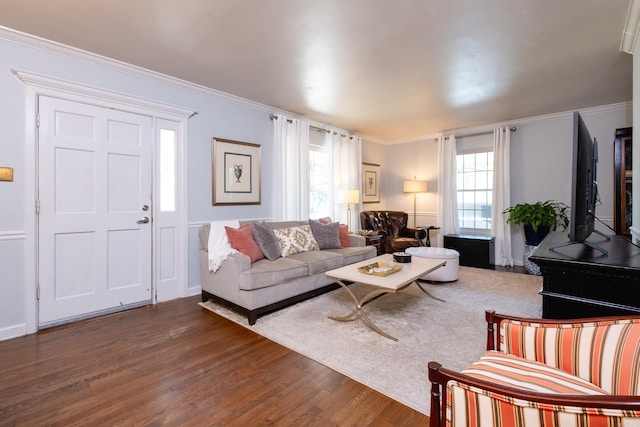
[{"x": 583, "y": 372}]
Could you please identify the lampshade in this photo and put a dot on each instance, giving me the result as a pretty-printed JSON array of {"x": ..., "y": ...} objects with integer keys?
[
  {"x": 414, "y": 186},
  {"x": 350, "y": 196}
]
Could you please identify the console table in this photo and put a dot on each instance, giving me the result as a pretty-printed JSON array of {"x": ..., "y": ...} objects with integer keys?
[
  {"x": 475, "y": 250},
  {"x": 579, "y": 282}
]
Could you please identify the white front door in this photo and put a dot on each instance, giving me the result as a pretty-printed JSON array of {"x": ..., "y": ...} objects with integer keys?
[{"x": 94, "y": 191}]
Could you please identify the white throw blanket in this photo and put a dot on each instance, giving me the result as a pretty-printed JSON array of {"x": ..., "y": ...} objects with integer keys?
[{"x": 219, "y": 247}]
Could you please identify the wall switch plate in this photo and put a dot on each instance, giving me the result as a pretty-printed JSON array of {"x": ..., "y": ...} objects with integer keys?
[{"x": 6, "y": 174}]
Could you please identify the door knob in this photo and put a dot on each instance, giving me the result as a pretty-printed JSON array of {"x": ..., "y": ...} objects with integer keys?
[{"x": 143, "y": 220}]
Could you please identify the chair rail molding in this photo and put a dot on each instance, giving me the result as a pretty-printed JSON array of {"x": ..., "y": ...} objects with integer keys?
[{"x": 13, "y": 235}]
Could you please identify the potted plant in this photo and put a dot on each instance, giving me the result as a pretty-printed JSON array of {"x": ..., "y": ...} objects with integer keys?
[{"x": 538, "y": 218}]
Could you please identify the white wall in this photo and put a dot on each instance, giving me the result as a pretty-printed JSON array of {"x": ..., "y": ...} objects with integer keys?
[
  {"x": 417, "y": 159},
  {"x": 219, "y": 115},
  {"x": 541, "y": 150},
  {"x": 373, "y": 152},
  {"x": 541, "y": 162},
  {"x": 401, "y": 162}
]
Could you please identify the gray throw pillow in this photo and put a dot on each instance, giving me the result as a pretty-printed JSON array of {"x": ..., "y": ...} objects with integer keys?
[
  {"x": 266, "y": 240},
  {"x": 327, "y": 235}
]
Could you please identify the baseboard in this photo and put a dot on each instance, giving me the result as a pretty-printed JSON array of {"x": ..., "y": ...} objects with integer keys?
[{"x": 14, "y": 331}]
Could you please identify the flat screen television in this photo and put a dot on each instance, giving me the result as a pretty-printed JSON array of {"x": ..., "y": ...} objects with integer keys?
[{"x": 584, "y": 186}]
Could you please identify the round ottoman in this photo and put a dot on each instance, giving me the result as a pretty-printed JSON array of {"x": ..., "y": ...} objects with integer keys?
[{"x": 446, "y": 273}]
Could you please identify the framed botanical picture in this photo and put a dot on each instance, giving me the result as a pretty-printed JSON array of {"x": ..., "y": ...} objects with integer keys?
[
  {"x": 370, "y": 183},
  {"x": 235, "y": 172}
]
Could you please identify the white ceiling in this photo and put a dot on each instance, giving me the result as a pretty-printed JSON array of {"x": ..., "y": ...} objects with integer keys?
[{"x": 388, "y": 70}]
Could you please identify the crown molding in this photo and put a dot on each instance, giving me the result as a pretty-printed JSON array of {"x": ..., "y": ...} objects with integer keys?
[
  {"x": 460, "y": 132},
  {"x": 633, "y": 21},
  {"x": 73, "y": 53},
  {"x": 82, "y": 93},
  {"x": 542, "y": 118}
]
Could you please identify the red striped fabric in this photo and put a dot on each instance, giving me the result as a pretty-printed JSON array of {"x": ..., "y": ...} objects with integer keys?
[
  {"x": 605, "y": 353},
  {"x": 473, "y": 407},
  {"x": 509, "y": 370}
]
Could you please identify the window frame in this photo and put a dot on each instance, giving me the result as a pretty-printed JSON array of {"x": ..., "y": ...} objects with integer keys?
[{"x": 489, "y": 189}]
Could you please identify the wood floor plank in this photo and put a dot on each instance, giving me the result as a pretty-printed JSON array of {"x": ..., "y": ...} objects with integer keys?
[{"x": 175, "y": 363}]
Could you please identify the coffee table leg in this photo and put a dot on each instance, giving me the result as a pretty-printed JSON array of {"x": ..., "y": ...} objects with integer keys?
[
  {"x": 428, "y": 293},
  {"x": 358, "y": 310}
]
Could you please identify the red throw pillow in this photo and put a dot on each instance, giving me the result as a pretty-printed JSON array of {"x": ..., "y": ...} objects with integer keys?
[
  {"x": 344, "y": 236},
  {"x": 242, "y": 240}
]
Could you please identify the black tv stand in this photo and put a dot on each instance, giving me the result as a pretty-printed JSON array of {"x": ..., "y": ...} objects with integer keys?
[
  {"x": 603, "y": 252},
  {"x": 579, "y": 282}
]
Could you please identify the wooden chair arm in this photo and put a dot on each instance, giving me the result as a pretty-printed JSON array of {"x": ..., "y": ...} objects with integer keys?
[{"x": 440, "y": 376}]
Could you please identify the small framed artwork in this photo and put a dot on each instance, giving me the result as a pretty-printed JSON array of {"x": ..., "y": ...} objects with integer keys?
[
  {"x": 235, "y": 172},
  {"x": 370, "y": 183}
]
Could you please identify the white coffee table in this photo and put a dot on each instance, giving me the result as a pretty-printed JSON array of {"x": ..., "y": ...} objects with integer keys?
[{"x": 392, "y": 283}]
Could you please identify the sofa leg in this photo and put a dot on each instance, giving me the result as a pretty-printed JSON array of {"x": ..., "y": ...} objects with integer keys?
[{"x": 252, "y": 317}]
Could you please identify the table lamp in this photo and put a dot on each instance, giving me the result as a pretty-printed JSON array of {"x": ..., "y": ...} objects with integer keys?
[{"x": 414, "y": 187}]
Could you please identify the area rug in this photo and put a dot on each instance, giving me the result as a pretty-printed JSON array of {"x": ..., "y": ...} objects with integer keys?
[{"x": 452, "y": 333}]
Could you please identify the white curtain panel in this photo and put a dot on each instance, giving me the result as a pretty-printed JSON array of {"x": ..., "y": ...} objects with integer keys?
[
  {"x": 291, "y": 169},
  {"x": 447, "y": 193},
  {"x": 347, "y": 175},
  {"x": 501, "y": 196}
]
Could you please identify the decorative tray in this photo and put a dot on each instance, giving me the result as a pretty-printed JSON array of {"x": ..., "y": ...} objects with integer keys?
[{"x": 380, "y": 269}]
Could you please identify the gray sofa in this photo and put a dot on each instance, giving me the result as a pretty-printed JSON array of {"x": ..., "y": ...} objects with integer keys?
[{"x": 265, "y": 286}]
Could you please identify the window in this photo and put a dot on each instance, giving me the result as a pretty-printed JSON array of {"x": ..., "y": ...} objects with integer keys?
[
  {"x": 319, "y": 176},
  {"x": 167, "y": 170},
  {"x": 474, "y": 180}
]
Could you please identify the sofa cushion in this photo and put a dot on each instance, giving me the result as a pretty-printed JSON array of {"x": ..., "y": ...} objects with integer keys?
[
  {"x": 265, "y": 273},
  {"x": 355, "y": 253},
  {"x": 506, "y": 369},
  {"x": 319, "y": 261},
  {"x": 242, "y": 240},
  {"x": 266, "y": 240},
  {"x": 326, "y": 234},
  {"x": 295, "y": 239}
]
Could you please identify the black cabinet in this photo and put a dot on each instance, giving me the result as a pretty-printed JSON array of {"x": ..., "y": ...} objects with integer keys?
[
  {"x": 475, "y": 251},
  {"x": 579, "y": 282}
]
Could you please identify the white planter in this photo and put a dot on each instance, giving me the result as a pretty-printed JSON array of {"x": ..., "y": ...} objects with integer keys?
[{"x": 529, "y": 266}]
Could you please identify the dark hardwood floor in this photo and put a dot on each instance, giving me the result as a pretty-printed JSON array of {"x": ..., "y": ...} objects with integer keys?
[
  {"x": 177, "y": 364},
  {"x": 515, "y": 269}
]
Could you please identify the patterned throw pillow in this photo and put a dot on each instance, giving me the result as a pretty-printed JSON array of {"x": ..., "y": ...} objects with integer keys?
[{"x": 295, "y": 239}]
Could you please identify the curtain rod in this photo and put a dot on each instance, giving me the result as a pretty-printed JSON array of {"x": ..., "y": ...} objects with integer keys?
[
  {"x": 489, "y": 132},
  {"x": 273, "y": 116}
]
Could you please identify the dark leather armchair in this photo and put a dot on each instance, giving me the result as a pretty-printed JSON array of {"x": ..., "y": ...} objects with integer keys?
[{"x": 393, "y": 227}]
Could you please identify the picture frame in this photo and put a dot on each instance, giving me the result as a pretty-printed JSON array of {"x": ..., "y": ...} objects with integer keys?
[
  {"x": 370, "y": 183},
  {"x": 235, "y": 172}
]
